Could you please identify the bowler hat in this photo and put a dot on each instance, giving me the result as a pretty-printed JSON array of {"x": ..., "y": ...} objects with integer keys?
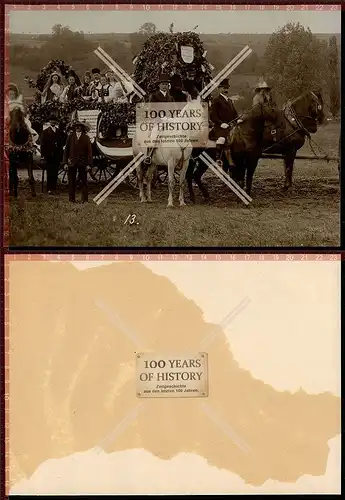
[
  {"x": 164, "y": 78},
  {"x": 176, "y": 80},
  {"x": 95, "y": 71},
  {"x": 53, "y": 118},
  {"x": 224, "y": 83}
]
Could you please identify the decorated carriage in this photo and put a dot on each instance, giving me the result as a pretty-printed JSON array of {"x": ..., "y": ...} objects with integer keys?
[{"x": 113, "y": 124}]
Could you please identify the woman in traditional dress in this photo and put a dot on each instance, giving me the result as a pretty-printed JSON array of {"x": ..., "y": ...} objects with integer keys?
[
  {"x": 13, "y": 96},
  {"x": 118, "y": 91},
  {"x": 53, "y": 88},
  {"x": 84, "y": 91},
  {"x": 103, "y": 92}
]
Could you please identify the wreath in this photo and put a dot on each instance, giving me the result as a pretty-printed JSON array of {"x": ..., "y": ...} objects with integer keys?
[
  {"x": 162, "y": 53},
  {"x": 113, "y": 113},
  {"x": 47, "y": 71}
]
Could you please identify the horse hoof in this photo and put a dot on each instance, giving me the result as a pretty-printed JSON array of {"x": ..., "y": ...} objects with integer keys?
[
  {"x": 170, "y": 205},
  {"x": 143, "y": 200}
]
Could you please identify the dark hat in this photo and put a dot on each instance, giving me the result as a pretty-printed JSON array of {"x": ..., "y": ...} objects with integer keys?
[
  {"x": 164, "y": 78},
  {"x": 224, "y": 83},
  {"x": 87, "y": 73},
  {"x": 176, "y": 80},
  {"x": 53, "y": 118},
  {"x": 95, "y": 71}
]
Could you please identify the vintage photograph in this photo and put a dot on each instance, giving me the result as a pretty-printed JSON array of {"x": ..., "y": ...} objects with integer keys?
[
  {"x": 242, "y": 363},
  {"x": 162, "y": 127}
]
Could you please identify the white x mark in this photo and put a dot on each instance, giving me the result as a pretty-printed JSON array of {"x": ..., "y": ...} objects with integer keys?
[
  {"x": 225, "y": 178},
  {"x": 124, "y": 77}
]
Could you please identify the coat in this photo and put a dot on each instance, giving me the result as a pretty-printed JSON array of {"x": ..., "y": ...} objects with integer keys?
[
  {"x": 78, "y": 152},
  {"x": 159, "y": 97},
  {"x": 52, "y": 144},
  {"x": 260, "y": 99},
  {"x": 222, "y": 111}
]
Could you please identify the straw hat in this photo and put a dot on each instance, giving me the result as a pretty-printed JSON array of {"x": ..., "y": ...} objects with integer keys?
[
  {"x": 262, "y": 85},
  {"x": 83, "y": 124}
]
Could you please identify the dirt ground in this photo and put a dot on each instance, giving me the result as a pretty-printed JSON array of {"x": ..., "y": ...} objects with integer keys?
[{"x": 309, "y": 215}]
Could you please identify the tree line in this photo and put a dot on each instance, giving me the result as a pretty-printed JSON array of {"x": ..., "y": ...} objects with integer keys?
[{"x": 294, "y": 60}]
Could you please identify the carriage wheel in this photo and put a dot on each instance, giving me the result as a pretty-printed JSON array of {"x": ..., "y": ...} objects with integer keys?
[{"x": 103, "y": 170}]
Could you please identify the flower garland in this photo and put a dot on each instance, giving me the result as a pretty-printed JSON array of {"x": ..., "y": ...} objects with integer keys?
[
  {"x": 113, "y": 113},
  {"x": 44, "y": 74}
]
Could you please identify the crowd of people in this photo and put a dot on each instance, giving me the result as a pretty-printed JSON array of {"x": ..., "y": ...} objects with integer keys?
[{"x": 74, "y": 149}]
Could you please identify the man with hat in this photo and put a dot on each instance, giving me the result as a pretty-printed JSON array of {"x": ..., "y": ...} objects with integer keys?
[
  {"x": 52, "y": 141},
  {"x": 176, "y": 91},
  {"x": 78, "y": 158},
  {"x": 95, "y": 86},
  {"x": 162, "y": 95},
  {"x": 71, "y": 91},
  {"x": 262, "y": 93},
  {"x": 223, "y": 115}
]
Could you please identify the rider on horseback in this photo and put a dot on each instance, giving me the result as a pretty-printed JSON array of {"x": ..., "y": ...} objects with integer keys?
[
  {"x": 262, "y": 93},
  {"x": 223, "y": 115}
]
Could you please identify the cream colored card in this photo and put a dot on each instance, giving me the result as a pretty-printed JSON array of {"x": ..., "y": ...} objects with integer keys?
[{"x": 268, "y": 422}]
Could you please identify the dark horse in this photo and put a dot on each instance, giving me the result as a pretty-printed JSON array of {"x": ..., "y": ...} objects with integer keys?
[
  {"x": 291, "y": 126},
  {"x": 246, "y": 143},
  {"x": 20, "y": 150},
  {"x": 298, "y": 119}
]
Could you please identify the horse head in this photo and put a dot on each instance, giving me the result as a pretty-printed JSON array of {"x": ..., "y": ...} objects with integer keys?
[{"x": 309, "y": 110}]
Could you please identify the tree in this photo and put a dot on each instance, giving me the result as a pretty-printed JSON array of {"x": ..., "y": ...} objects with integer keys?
[
  {"x": 334, "y": 86},
  {"x": 147, "y": 29},
  {"x": 295, "y": 61}
]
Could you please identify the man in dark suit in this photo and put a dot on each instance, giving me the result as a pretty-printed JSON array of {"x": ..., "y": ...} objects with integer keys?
[
  {"x": 176, "y": 91},
  {"x": 78, "y": 158},
  {"x": 51, "y": 151},
  {"x": 222, "y": 113},
  {"x": 162, "y": 95}
]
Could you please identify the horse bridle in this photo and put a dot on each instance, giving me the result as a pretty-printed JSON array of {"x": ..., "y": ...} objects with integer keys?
[{"x": 297, "y": 117}]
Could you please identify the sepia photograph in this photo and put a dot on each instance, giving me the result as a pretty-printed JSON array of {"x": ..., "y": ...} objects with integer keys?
[
  {"x": 237, "y": 387},
  {"x": 172, "y": 126}
]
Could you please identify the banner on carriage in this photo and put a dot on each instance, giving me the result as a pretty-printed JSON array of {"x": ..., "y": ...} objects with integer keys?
[{"x": 91, "y": 117}]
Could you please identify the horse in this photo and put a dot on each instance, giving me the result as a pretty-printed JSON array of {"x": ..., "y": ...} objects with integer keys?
[
  {"x": 298, "y": 119},
  {"x": 175, "y": 157},
  {"x": 20, "y": 149},
  {"x": 245, "y": 140}
]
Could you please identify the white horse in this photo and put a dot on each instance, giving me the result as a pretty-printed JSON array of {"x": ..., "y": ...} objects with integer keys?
[{"x": 173, "y": 157}]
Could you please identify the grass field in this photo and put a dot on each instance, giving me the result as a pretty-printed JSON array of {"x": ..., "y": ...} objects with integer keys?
[{"x": 307, "y": 216}]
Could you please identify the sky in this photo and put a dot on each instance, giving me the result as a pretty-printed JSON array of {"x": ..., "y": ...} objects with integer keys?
[{"x": 41, "y": 22}]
